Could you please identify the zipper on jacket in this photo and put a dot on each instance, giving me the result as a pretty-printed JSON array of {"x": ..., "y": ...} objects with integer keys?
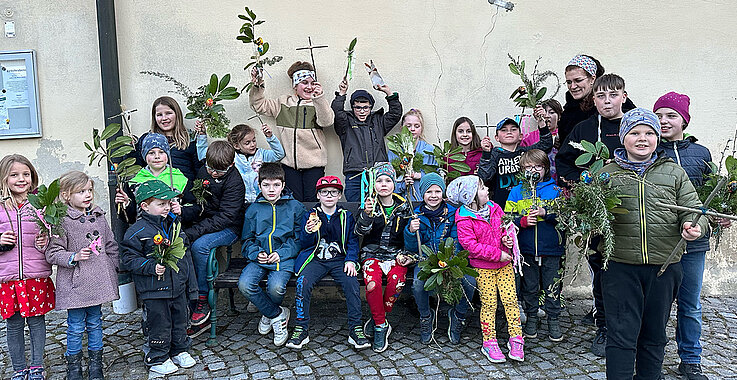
[
  {"x": 273, "y": 226},
  {"x": 643, "y": 219},
  {"x": 19, "y": 242},
  {"x": 315, "y": 137},
  {"x": 675, "y": 150},
  {"x": 296, "y": 125}
]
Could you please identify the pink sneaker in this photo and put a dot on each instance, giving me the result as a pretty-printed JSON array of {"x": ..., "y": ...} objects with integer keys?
[
  {"x": 491, "y": 350},
  {"x": 516, "y": 348}
]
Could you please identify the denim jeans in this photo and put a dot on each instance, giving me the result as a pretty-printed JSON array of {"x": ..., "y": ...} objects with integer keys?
[
  {"x": 276, "y": 286},
  {"x": 201, "y": 251},
  {"x": 353, "y": 187},
  {"x": 78, "y": 320},
  {"x": 313, "y": 272},
  {"x": 688, "y": 327},
  {"x": 422, "y": 296}
]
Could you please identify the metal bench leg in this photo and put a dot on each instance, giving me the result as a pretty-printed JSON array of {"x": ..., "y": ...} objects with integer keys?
[
  {"x": 231, "y": 294},
  {"x": 212, "y": 296}
]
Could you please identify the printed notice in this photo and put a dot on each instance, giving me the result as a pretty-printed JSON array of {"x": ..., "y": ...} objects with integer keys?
[{"x": 14, "y": 106}]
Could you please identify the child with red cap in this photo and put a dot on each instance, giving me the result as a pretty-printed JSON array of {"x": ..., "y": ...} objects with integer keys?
[{"x": 329, "y": 246}]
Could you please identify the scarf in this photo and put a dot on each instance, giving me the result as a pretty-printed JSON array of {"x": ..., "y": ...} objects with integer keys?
[{"x": 620, "y": 157}]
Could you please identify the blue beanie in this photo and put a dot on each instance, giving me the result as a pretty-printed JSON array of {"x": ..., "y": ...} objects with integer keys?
[
  {"x": 635, "y": 117},
  {"x": 154, "y": 140},
  {"x": 429, "y": 180},
  {"x": 362, "y": 94}
]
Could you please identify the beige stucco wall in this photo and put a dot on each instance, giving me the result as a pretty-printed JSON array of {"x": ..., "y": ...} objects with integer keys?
[{"x": 434, "y": 53}]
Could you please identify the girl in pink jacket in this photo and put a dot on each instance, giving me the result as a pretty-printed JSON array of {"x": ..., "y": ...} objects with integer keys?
[
  {"x": 26, "y": 291},
  {"x": 479, "y": 223}
]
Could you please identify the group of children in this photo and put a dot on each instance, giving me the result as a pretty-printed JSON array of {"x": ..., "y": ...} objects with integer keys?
[{"x": 242, "y": 197}]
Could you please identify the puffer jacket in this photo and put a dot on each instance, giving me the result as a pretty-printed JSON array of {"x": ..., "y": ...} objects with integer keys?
[
  {"x": 22, "y": 260},
  {"x": 299, "y": 126},
  {"x": 90, "y": 282},
  {"x": 482, "y": 239},
  {"x": 135, "y": 250},
  {"x": 648, "y": 233},
  {"x": 362, "y": 140},
  {"x": 383, "y": 235},
  {"x": 694, "y": 159},
  {"x": 431, "y": 234},
  {"x": 542, "y": 239},
  {"x": 272, "y": 227},
  {"x": 223, "y": 208}
]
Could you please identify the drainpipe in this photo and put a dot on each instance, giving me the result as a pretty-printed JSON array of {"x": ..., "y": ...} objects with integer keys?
[{"x": 110, "y": 77}]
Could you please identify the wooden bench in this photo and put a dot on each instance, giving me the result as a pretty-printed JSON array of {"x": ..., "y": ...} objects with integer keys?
[{"x": 234, "y": 266}]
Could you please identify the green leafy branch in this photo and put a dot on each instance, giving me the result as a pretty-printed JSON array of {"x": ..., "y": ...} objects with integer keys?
[
  {"x": 451, "y": 161},
  {"x": 247, "y": 35},
  {"x": 725, "y": 200},
  {"x": 349, "y": 68},
  {"x": 530, "y": 94},
  {"x": 594, "y": 156},
  {"x": 203, "y": 105},
  {"x": 49, "y": 210},
  {"x": 407, "y": 161},
  {"x": 168, "y": 252},
  {"x": 116, "y": 149},
  {"x": 444, "y": 269}
]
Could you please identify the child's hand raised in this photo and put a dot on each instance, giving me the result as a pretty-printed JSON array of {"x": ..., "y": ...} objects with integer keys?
[
  {"x": 539, "y": 113},
  {"x": 42, "y": 240},
  {"x": 507, "y": 241},
  {"x": 350, "y": 269},
  {"x": 266, "y": 130},
  {"x": 691, "y": 232},
  {"x": 486, "y": 144},
  {"x": 160, "y": 269},
  {"x": 199, "y": 127},
  {"x": 369, "y": 206},
  {"x": 316, "y": 90},
  {"x": 121, "y": 197},
  {"x": 343, "y": 87},
  {"x": 384, "y": 88},
  {"x": 414, "y": 225},
  {"x": 84, "y": 254},
  {"x": 176, "y": 208},
  {"x": 8, "y": 238},
  {"x": 256, "y": 77}
]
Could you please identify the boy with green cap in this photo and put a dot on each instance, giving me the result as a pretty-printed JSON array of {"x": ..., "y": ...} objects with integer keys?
[{"x": 165, "y": 292}]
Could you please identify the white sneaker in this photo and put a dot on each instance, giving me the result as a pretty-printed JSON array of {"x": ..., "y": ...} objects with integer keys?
[
  {"x": 264, "y": 325},
  {"x": 251, "y": 308},
  {"x": 165, "y": 368},
  {"x": 279, "y": 324},
  {"x": 184, "y": 360}
]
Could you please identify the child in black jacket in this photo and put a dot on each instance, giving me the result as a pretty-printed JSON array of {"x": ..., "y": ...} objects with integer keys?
[
  {"x": 218, "y": 221},
  {"x": 164, "y": 290}
]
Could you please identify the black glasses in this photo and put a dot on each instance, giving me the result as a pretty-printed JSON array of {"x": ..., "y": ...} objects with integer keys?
[
  {"x": 361, "y": 108},
  {"x": 330, "y": 192}
]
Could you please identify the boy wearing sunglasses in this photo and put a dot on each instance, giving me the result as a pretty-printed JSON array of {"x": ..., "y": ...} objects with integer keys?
[
  {"x": 215, "y": 222},
  {"x": 329, "y": 246}
]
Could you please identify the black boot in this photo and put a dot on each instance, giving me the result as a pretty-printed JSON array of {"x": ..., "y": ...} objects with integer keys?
[
  {"x": 95, "y": 368},
  {"x": 74, "y": 366}
]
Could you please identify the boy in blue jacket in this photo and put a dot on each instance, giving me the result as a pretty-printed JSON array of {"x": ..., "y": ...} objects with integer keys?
[
  {"x": 329, "y": 246},
  {"x": 436, "y": 222},
  {"x": 270, "y": 245},
  {"x": 164, "y": 291},
  {"x": 540, "y": 244}
]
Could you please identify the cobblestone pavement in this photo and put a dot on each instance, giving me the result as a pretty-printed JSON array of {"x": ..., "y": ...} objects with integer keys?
[{"x": 244, "y": 354}]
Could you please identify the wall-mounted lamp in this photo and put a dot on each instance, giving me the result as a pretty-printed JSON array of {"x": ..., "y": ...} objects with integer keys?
[{"x": 508, "y": 5}]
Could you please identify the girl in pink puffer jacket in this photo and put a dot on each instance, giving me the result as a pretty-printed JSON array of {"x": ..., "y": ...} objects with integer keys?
[
  {"x": 26, "y": 291},
  {"x": 479, "y": 224}
]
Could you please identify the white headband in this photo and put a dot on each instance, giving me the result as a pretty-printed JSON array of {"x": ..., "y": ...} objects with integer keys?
[{"x": 301, "y": 75}]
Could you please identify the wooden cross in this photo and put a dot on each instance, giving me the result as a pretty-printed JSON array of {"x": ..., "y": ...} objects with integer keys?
[
  {"x": 310, "y": 47},
  {"x": 699, "y": 213},
  {"x": 487, "y": 126}
]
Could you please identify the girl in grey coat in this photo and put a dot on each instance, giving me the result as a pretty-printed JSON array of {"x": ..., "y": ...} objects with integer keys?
[{"x": 86, "y": 255}]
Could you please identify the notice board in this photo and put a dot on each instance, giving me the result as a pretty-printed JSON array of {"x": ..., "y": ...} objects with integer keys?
[{"x": 20, "y": 115}]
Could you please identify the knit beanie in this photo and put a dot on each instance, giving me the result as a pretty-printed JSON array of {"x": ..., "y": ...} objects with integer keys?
[
  {"x": 385, "y": 168},
  {"x": 676, "y": 101},
  {"x": 462, "y": 190},
  {"x": 637, "y": 117},
  {"x": 429, "y": 180},
  {"x": 154, "y": 140},
  {"x": 362, "y": 94}
]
